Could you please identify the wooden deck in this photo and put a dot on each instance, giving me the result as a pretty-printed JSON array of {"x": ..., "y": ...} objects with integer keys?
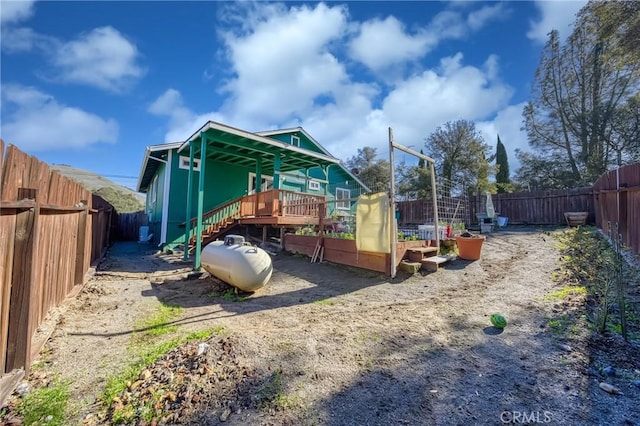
[{"x": 276, "y": 207}]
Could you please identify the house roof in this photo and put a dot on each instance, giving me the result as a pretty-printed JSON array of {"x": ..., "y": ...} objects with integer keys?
[
  {"x": 236, "y": 146},
  {"x": 157, "y": 154},
  {"x": 316, "y": 143}
]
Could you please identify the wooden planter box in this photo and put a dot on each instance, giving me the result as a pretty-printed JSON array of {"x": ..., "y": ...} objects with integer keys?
[
  {"x": 576, "y": 218},
  {"x": 344, "y": 252}
]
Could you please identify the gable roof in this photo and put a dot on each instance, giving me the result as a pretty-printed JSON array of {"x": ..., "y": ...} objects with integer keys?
[
  {"x": 316, "y": 143},
  {"x": 157, "y": 154},
  {"x": 236, "y": 146}
]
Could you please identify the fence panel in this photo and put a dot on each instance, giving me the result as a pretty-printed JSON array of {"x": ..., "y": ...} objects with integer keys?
[
  {"x": 536, "y": 208},
  {"x": 129, "y": 225},
  {"x": 47, "y": 241},
  {"x": 617, "y": 198}
]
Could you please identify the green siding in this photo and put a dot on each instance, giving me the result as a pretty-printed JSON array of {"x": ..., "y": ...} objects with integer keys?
[
  {"x": 223, "y": 183},
  {"x": 154, "y": 203},
  {"x": 304, "y": 141}
]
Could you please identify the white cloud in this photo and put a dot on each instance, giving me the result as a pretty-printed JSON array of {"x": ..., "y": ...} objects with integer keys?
[
  {"x": 103, "y": 58},
  {"x": 182, "y": 121},
  {"x": 381, "y": 43},
  {"x": 283, "y": 65},
  {"x": 35, "y": 121},
  {"x": 24, "y": 39},
  {"x": 15, "y": 11},
  {"x": 554, "y": 15},
  {"x": 479, "y": 18},
  {"x": 285, "y": 77},
  {"x": 506, "y": 123}
]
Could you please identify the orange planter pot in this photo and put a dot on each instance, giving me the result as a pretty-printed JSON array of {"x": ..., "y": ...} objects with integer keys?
[{"x": 470, "y": 248}]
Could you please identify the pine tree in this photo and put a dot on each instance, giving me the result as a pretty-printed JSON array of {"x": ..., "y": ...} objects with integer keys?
[
  {"x": 502, "y": 176},
  {"x": 421, "y": 161}
]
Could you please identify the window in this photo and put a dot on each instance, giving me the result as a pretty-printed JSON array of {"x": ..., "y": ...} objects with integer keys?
[
  {"x": 267, "y": 183},
  {"x": 184, "y": 163},
  {"x": 314, "y": 185},
  {"x": 295, "y": 141},
  {"x": 343, "y": 194}
]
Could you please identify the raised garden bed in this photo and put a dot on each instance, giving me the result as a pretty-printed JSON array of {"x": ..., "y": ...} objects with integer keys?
[{"x": 344, "y": 252}]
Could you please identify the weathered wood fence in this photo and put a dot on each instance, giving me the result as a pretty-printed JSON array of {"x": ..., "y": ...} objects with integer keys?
[
  {"x": 617, "y": 200},
  {"x": 536, "y": 207},
  {"x": 51, "y": 230},
  {"x": 128, "y": 226}
]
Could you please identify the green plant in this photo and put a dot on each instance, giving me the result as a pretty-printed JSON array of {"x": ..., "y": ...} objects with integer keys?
[
  {"x": 161, "y": 322},
  {"x": 229, "y": 295},
  {"x": 272, "y": 394},
  {"x": 45, "y": 405},
  {"x": 565, "y": 292}
]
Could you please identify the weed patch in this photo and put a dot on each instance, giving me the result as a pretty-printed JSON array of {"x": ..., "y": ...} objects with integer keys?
[{"x": 45, "y": 405}]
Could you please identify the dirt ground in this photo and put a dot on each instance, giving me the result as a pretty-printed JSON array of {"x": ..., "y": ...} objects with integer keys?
[{"x": 349, "y": 347}]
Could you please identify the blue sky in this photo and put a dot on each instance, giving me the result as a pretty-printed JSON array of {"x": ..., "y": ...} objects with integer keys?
[{"x": 90, "y": 84}]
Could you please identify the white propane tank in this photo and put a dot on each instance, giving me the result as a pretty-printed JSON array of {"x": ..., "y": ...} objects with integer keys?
[{"x": 243, "y": 266}]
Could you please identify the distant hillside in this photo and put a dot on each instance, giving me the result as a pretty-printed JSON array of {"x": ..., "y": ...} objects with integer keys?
[{"x": 122, "y": 198}]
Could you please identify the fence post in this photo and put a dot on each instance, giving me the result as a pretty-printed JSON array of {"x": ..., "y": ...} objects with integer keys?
[
  {"x": 22, "y": 312},
  {"x": 81, "y": 239}
]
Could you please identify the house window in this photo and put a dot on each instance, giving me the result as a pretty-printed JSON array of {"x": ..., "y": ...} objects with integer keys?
[
  {"x": 184, "y": 163},
  {"x": 267, "y": 183},
  {"x": 295, "y": 141},
  {"x": 314, "y": 185},
  {"x": 343, "y": 194}
]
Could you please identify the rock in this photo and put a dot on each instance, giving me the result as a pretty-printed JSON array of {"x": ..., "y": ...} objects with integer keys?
[
  {"x": 23, "y": 389},
  {"x": 202, "y": 348},
  {"x": 636, "y": 383},
  {"x": 610, "y": 388},
  {"x": 565, "y": 347},
  {"x": 609, "y": 371},
  {"x": 225, "y": 415}
]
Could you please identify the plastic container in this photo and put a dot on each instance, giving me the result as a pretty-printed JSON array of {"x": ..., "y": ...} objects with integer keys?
[{"x": 502, "y": 221}]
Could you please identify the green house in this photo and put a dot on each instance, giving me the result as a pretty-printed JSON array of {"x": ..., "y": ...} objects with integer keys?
[{"x": 222, "y": 177}]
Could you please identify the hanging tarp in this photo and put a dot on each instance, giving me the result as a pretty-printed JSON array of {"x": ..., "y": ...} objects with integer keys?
[{"x": 372, "y": 223}]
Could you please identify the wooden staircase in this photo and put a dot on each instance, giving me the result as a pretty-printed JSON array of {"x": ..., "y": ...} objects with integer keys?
[{"x": 215, "y": 223}]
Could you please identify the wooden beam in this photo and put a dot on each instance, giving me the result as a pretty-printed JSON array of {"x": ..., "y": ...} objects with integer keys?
[
  {"x": 8, "y": 383},
  {"x": 187, "y": 227}
]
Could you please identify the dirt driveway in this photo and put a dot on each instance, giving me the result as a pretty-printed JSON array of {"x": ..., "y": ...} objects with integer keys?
[{"x": 356, "y": 348}]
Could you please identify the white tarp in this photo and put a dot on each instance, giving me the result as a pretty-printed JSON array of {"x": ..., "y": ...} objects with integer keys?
[{"x": 372, "y": 223}]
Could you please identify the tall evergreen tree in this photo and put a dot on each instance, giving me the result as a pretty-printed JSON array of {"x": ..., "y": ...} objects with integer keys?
[{"x": 502, "y": 175}]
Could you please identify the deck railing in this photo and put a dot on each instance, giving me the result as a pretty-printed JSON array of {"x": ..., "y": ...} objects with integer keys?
[{"x": 272, "y": 203}]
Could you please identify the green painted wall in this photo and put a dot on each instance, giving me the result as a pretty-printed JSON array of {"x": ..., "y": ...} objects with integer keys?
[
  {"x": 304, "y": 141},
  {"x": 224, "y": 183},
  {"x": 154, "y": 203}
]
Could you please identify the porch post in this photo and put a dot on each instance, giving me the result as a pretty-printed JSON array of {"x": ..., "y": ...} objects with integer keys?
[
  {"x": 187, "y": 224},
  {"x": 203, "y": 162},
  {"x": 259, "y": 174},
  {"x": 276, "y": 171}
]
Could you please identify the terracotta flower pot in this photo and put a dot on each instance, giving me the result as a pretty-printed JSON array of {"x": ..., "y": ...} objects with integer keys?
[{"x": 470, "y": 248}]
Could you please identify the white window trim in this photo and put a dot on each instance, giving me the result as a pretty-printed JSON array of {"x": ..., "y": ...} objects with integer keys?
[
  {"x": 314, "y": 185},
  {"x": 252, "y": 175},
  {"x": 348, "y": 196},
  {"x": 184, "y": 163},
  {"x": 295, "y": 141}
]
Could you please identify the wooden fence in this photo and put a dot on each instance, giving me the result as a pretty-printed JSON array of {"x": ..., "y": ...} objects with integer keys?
[
  {"x": 537, "y": 207},
  {"x": 128, "y": 225},
  {"x": 49, "y": 236},
  {"x": 617, "y": 200}
]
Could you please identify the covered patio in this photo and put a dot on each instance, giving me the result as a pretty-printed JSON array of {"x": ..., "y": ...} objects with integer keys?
[{"x": 266, "y": 157}]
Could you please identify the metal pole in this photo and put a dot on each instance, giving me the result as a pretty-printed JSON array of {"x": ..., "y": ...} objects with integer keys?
[
  {"x": 392, "y": 206},
  {"x": 435, "y": 204}
]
